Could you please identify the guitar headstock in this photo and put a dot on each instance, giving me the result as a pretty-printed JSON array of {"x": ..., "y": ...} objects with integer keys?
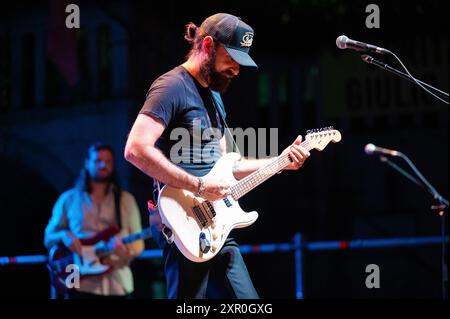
[{"x": 319, "y": 138}]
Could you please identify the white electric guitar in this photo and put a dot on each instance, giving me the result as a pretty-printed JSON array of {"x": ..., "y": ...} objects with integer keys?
[{"x": 200, "y": 227}]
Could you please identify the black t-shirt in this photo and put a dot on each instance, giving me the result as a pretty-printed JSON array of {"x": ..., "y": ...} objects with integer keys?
[{"x": 190, "y": 114}]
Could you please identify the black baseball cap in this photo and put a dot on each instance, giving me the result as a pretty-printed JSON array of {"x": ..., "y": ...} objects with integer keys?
[{"x": 235, "y": 35}]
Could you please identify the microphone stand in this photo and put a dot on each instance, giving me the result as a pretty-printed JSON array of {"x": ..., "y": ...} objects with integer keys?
[
  {"x": 439, "y": 208},
  {"x": 368, "y": 59}
]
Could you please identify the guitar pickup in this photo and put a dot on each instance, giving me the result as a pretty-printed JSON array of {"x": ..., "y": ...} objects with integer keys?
[
  {"x": 209, "y": 209},
  {"x": 200, "y": 216}
]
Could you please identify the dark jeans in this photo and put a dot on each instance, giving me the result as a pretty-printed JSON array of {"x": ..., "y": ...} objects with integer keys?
[{"x": 223, "y": 277}]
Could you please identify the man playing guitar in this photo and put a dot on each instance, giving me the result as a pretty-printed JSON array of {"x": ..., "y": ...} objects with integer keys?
[
  {"x": 189, "y": 94},
  {"x": 94, "y": 205}
]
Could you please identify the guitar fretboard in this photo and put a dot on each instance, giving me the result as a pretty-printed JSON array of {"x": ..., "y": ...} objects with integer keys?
[
  {"x": 133, "y": 237},
  {"x": 107, "y": 247},
  {"x": 248, "y": 183}
]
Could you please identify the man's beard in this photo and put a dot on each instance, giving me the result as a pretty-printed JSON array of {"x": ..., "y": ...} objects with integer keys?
[
  {"x": 102, "y": 179},
  {"x": 216, "y": 81}
]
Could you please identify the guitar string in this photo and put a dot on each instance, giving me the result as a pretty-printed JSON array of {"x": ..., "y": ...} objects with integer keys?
[
  {"x": 253, "y": 180},
  {"x": 264, "y": 174}
]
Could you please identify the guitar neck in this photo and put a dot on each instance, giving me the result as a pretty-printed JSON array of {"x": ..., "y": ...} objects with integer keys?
[
  {"x": 248, "y": 183},
  {"x": 146, "y": 233},
  {"x": 106, "y": 247}
]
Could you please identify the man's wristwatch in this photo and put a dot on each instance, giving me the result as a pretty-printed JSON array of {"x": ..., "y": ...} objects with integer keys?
[{"x": 201, "y": 187}]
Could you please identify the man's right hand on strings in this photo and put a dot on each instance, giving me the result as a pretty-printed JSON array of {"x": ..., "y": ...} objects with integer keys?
[
  {"x": 214, "y": 188},
  {"x": 72, "y": 243}
]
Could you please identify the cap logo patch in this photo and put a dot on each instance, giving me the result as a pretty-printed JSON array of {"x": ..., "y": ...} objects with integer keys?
[{"x": 247, "y": 39}]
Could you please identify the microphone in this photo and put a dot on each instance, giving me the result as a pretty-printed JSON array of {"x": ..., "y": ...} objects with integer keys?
[
  {"x": 343, "y": 42},
  {"x": 371, "y": 149}
]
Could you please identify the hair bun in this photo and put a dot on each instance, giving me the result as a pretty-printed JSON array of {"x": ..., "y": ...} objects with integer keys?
[{"x": 190, "y": 32}]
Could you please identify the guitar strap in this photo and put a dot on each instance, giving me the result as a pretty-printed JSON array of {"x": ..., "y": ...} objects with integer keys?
[
  {"x": 117, "y": 192},
  {"x": 229, "y": 139},
  {"x": 166, "y": 231}
]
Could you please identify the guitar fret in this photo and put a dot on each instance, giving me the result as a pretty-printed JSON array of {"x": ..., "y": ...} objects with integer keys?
[{"x": 255, "y": 179}]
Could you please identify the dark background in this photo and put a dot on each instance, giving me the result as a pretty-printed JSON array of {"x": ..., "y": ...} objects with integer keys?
[{"x": 304, "y": 81}]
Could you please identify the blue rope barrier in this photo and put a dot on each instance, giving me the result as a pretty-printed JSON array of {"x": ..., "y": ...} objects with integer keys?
[
  {"x": 373, "y": 243},
  {"x": 23, "y": 260},
  {"x": 297, "y": 246},
  {"x": 150, "y": 253},
  {"x": 266, "y": 248}
]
